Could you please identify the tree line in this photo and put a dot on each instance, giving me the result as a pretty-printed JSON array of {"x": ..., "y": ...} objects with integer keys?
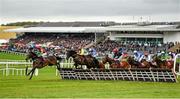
[{"x": 28, "y": 23}]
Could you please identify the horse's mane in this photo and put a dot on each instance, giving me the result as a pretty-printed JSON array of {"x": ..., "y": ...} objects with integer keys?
[{"x": 33, "y": 54}]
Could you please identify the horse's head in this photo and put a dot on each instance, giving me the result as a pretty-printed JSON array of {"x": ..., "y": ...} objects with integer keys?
[
  {"x": 70, "y": 53},
  {"x": 31, "y": 55},
  {"x": 107, "y": 59},
  {"x": 101, "y": 65},
  {"x": 130, "y": 59},
  {"x": 156, "y": 58}
]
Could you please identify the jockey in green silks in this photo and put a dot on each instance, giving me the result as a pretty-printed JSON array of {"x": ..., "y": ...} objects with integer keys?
[{"x": 164, "y": 56}]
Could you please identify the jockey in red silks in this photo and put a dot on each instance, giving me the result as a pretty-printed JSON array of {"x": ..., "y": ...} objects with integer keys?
[{"x": 115, "y": 53}]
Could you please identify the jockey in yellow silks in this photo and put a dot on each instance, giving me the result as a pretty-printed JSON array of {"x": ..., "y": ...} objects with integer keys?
[{"x": 81, "y": 51}]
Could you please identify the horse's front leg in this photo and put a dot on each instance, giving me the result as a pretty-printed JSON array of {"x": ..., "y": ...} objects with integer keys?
[
  {"x": 32, "y": 73},
  {"x": 27, "y": 71},
  {"x": 58, "y": 66},
  {"x": 76, "y": 65},
  {"x": 27, "y": 74}
]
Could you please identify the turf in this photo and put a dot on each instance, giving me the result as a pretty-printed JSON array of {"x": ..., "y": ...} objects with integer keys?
[
  {"x": 4, "y": 56},
  {"x": 47, "y": 85}
]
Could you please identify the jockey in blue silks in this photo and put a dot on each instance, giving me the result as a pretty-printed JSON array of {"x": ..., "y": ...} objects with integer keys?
[
  {"x": 120, "y": 52},
  {"x": 138, "y": 56},
  {"x": 93, "y": 52}
]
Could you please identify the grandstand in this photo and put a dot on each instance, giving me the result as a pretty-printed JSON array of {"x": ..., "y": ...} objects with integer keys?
[
  {"x": 158, "y": 33},
  {"x": 65, "y": 34}
]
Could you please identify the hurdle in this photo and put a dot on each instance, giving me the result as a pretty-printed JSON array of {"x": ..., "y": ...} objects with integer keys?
[{"x": 133, "y": 74}]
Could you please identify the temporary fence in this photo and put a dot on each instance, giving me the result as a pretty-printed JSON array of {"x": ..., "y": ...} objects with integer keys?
[{"x": 15, "y": 68}]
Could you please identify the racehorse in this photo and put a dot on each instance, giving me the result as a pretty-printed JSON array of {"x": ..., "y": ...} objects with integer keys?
[
  {"x": 136, "y": 64},
  {"x": 87, "y": 60},
  {"x": 39, "y": 63},
  {"x": 115, "y": 64},
  {"x": 145, "y": 64},
  {"x": 162, "y": 63},
  {"x": 133, "y": 63},
  {"x": 109, "y": 60}
]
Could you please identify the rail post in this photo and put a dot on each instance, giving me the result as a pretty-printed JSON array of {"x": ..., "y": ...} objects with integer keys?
[{"x": 174, "y": 69}]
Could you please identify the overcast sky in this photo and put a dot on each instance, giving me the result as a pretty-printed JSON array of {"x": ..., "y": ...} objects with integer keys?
[{"x": 81, "y": 10}]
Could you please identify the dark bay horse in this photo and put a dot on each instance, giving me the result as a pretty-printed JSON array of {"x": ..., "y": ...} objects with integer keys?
[
  {"x": 39, "y": 63},
  {"x": 109, "y": 60},
  {"x": 136, "y": 64},
  {"x": 87, "y": 60}
]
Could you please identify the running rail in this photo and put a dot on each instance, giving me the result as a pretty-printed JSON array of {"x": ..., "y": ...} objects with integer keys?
[{"x": 175, "y": 60}]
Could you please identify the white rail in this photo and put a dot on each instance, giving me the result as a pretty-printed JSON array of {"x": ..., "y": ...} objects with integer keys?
[
  {"x": 177, "y": 63},
  {"x": 15, "y": 68}
]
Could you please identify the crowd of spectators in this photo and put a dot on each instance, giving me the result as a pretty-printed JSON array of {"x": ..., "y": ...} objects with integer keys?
[
  {"x": 56, "y": 41},
  {"x": 129, "y": 46},
  {"x": 62, "y": 42}
]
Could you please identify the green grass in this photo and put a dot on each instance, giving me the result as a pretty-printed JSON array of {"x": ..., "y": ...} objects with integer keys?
[
  {"x": 4, "y": 56},
  {"x": 47, "y": 85}
]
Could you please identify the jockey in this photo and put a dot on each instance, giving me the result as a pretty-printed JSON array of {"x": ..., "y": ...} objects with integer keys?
[
  {"x": 85, "y": 52},
  {"x": 38, "y": 52},
  {"x": 81, "y": 52},
  {"x": 92, "y": 52},
  {"x": 158, "y": 53},
  {"x": 115, "y": 53},
  {"x": 39, "y": 55},
  {"x": 120, "y": 52},
  {"x": 147, "y": 57},
  {"x": 138, "y": 56},
  {"x": 171, "y": 56},
  {"x": 164, "y": 56},
  {"x": 124, "y": 56}
]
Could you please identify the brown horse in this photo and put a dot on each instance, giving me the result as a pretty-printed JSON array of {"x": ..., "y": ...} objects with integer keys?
[
  {"x": 112, "y": 62},
  {"x": 115, "y": 64},
  {"x": 39, "y": 63},
  {"x": 162, "y": 63},
  {"x": 169, "y": 64},
  {"x": 145, "y": 64},
  {"x": 133, "y": 63},
  {"x": 87, "y": 60}
]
